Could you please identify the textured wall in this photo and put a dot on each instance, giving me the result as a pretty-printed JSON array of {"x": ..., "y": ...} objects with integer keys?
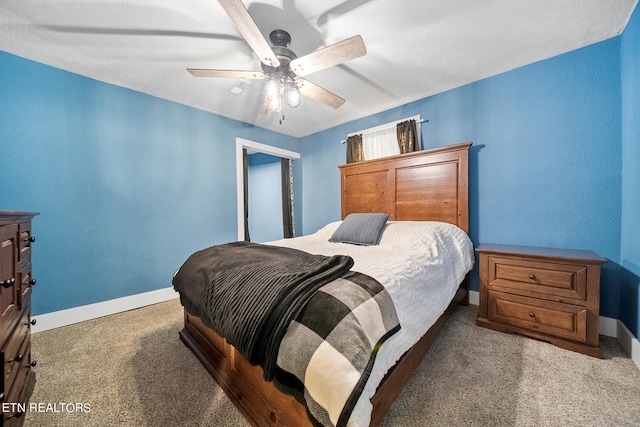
[
  {"x": 127, "y": 185},
  {"x": 630, "y": 249},
  {"x": 546, "y": 162}
]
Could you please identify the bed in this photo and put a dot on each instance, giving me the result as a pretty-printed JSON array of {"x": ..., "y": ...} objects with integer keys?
[{"x": 425, "y": 194}]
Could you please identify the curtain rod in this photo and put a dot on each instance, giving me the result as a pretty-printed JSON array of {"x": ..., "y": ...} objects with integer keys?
[{"x": 344, "y": 141}]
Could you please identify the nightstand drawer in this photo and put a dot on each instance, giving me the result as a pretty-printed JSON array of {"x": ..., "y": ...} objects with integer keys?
[
  {"x": 560, "y": 320},
  {"x": 558, "y": 280}
]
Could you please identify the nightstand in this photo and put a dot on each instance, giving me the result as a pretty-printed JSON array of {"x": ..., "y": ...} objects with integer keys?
[{"x": 548, "y": 294}]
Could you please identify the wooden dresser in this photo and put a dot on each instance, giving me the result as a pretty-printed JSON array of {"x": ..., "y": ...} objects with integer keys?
[
  {"x": 549, "y": 294},
  {"x": 18, "y": 378}
]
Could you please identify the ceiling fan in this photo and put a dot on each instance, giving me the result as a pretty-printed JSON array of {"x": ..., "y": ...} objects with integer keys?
[{"x": 281, "y": 67}]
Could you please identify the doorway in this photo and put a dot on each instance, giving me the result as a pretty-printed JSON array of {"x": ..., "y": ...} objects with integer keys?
[{"x": 268, "y": 152}]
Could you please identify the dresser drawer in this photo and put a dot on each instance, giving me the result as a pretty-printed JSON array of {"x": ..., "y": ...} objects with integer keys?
[
  {"x": 24, "y": 291},
  {"x": 16, "y": 352},
  {"x": 19, "y": 395},
  {"x": 555, "y": 280},
  {"x": 24, "y": 243},
  {"x": 9, "y": 297},
  {"x": 546, "y": 317}
]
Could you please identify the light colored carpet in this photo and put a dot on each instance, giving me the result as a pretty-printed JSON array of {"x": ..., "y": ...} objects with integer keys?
[
  {"x": 507, "y": 380},
  {"x": 133, "y": 370}
]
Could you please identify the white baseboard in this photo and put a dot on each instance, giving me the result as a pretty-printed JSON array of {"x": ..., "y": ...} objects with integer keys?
[
  {"x": 474, "y": 297},
  {"x": 70, "y": 316},
  {"x": 629, "y": 343},
  {"x": 608, "y": 327}
]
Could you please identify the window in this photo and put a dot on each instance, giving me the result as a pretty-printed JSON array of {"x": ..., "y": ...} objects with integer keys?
[{"x": 383, "y": 141}]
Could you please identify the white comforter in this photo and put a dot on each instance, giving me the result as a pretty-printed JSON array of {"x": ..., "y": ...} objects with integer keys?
[{"x": 421, "y": 263}]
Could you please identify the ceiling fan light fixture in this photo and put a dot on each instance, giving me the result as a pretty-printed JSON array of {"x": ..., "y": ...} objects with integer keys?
[
  {"x": 281, "y": 66},
  {"x": 273, "y": 89},
  {"x": 275, "y": 104},
  {"x": 293, "y": 96}
]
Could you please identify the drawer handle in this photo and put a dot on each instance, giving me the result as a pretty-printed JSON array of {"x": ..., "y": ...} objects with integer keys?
[
  {"x": 30, "y": 239},
  {"x": 532, "y": 276},
  {"x": 8, "y": 283},
  {"x": 532, "y": 314},
  {"x": 33, "y": 364},
  {"x": 33, "y": 322},
  {"x": 32, "y": 282},
  {"x": 18, "y": 358}
]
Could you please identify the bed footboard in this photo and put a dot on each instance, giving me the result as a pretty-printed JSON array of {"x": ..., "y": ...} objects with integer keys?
[
  {"x": 262, "y": 404},
  {"x": 258, "y": 401}
]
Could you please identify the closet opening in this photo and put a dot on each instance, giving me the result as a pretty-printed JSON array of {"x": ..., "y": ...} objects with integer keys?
[{"x": 264, "y": 189}]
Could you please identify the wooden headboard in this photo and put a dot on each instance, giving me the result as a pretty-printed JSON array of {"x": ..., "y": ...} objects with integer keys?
[{"x": 427, "y": 185}]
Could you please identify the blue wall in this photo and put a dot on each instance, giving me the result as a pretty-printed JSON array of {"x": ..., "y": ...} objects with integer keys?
[
  {"x": 128, "y": 185},
  {"x": 630, "y": 248},
  {"x": 545, "y": 167}
]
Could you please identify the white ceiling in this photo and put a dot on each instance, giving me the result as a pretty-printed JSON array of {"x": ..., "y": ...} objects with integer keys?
[{"x": 415, "y": 48}]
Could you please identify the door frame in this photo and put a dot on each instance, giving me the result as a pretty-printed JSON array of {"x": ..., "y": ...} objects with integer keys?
[{"x": 252, "y": 148}]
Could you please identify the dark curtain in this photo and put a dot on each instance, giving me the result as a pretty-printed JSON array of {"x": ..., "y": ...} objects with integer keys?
[
  {"x": 287, "y": 198},
  {"x": 245, "y": 178},
  {"x": 407, "y": 136},
  {"x": 355, "y": 152}
]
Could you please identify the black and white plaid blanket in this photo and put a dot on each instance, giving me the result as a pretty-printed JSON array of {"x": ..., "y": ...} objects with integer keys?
[
  {"x": 249, "y": 293},
  {"x": 327, "y": 354},
  {"x": 311, "y": 324}
]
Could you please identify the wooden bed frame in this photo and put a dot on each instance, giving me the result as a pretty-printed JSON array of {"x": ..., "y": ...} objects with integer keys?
[{"x": 424, "y": 185}]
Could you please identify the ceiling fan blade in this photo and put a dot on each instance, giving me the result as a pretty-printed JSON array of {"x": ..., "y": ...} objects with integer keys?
[
  {"x": 250, "y": 31},
  {"x": 329, "y": 56},
  {"x": 318, "y": 93},
  {"x": 237, "y": 74}
]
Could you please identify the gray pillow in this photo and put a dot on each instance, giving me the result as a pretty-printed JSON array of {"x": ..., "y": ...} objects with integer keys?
[{"x": 361, "y": 229}]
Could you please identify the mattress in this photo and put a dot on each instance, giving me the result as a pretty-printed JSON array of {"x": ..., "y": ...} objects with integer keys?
[{"x": 420, "y": 263}]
